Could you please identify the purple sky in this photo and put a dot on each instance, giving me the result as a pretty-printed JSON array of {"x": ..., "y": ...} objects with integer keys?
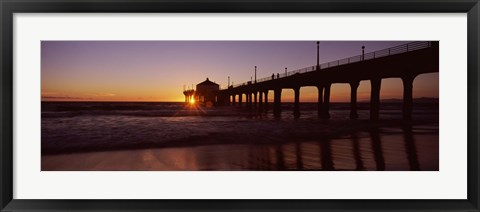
[{"x": 158, "y": 70}]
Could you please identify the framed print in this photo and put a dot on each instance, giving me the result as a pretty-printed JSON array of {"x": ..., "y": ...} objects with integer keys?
[{"x": 264, "y": 105}]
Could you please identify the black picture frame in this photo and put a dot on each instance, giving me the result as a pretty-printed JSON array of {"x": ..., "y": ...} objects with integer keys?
[{"x": 9, "y": 7}]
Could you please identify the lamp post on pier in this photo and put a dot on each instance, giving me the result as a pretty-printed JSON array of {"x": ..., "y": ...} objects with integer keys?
[
  {"x": 255, "y": 74},
  {"x": 318, "y": 56},
  {"x": 363, "y": 53}
]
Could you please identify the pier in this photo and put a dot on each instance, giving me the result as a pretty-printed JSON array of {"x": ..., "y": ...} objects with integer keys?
[{"x": 405, "y": 62}]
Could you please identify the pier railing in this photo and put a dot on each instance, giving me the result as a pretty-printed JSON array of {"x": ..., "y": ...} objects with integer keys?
[{"x": 413, "y": 46}]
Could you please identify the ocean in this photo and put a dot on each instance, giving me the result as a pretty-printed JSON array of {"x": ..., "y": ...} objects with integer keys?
[{"x": 175, "y": 136}]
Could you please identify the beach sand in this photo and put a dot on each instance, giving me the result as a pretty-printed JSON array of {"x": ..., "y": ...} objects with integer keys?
[{"x": 389, "y": 149}]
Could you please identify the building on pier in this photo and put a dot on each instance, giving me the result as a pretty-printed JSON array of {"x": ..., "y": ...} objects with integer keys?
[{"x": 206, "y": 92}]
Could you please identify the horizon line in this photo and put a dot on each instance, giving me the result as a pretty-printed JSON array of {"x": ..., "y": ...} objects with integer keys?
[{"x": 365, "y": 101}]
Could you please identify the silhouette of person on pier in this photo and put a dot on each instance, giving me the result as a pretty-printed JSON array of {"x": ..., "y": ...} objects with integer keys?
[
  {"x": 278, "y": 76},
  {"x": 273, "y": 76}
]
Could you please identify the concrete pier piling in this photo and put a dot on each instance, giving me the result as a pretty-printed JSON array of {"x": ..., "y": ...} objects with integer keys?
[
  {"x": 353, "y": 99},
  {"x": 277, "y": 104},
  {"x": 296, "y": 112},
  {"x": 375, "y": 98}
]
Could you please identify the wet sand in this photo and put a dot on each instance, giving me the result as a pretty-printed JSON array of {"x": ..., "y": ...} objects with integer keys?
[{"x": 387, "y": 148}]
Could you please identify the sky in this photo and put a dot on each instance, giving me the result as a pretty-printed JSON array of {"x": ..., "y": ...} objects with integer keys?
[{"x": 160, "y": 70}]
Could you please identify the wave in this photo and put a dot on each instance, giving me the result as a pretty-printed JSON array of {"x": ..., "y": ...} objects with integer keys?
[{"x": 169, "y": 109}]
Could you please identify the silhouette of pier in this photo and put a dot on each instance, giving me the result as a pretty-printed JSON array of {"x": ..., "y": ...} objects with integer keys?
[
  {"x": 404, "y": 61},
  {"x": 189, "y": 95}
]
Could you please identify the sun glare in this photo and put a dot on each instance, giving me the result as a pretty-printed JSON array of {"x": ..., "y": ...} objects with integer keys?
[{"x": 192, "y": 101}]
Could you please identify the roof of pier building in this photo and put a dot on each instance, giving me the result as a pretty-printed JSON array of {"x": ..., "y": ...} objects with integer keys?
[{"x": 207, "y": 82}]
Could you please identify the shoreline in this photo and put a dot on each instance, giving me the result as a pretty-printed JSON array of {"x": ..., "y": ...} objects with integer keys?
[{"x": 307, "y": 130}]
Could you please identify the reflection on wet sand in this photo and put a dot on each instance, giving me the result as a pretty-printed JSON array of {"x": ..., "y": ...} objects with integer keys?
[
  {"x": 411, "y": 149},
  {"x": 356, "y": 153},
  {"x": 377, "y": 150},
  {"x": 394, "y": 149}
]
